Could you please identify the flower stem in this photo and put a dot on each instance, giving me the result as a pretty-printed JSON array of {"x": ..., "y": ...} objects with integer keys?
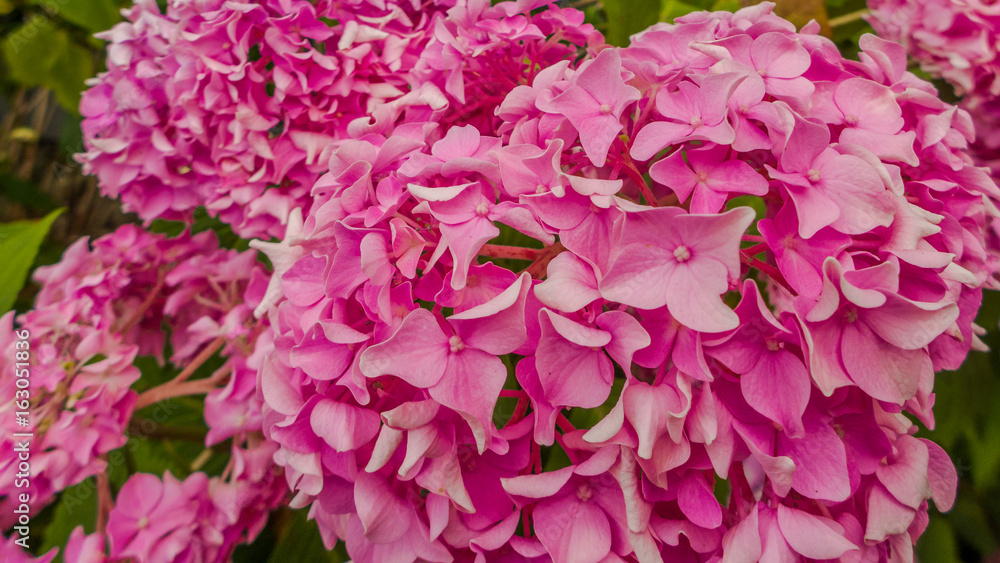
[
  {"x": 145, "y": 305},
  {"x": 767, "y": 269},
  {"x": 636, "y": 177},
  {"x": 847, "y": 18},
  {"x": 537, "y": 269},
  {"x": 170, "y": 390},
  {"x": 179, "y": 387},
  {"x": 104, "y": 501},
  {"x": 511, "y": 252},
  {"x": 200, "y": 359}
]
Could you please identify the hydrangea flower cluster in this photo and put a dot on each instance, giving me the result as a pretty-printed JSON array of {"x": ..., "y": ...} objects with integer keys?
[
  {"x": 229, "y": 104},
  {"x": 99, "y": 308},
  {"x": 194, "y": 520},
  {"x": 533, "y": 298},
  {"x": 723, "y": 253},
  {"x": 956, "y": 40}
]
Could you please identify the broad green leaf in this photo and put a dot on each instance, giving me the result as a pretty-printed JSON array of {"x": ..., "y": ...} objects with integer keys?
[
  {"x": 19, "y": 242},
  {"x": 726, "y": 5},
  {"x": 676, "y": 8},
  {"x": 6, "y": 7},
  {"x": 39, "y": 53},
  {"x": 626, "y": 17},
  {"x": 92, "y": 15}
]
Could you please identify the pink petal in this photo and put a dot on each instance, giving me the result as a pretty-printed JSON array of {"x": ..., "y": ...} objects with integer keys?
[
  {"x": 573, "y": 531},
  {"x": 417, "y": 352},
  {"x": 942, "y": 476},
  {"x": 470, "y": 386},
  {"x": 343, "y": 427},
  {"x": 812, "y": 536},
  {"x": 496, "y": 326},
  {"x": 741, "y": 544},
  {"x": 697, "y": 502},
  {"x": 570, "y": 284}
]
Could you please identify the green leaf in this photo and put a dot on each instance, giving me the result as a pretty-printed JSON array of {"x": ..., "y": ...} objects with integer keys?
[
  {"x": 626, "y": 17},
  {"x": 19, "y": 242},
  {"x": 20, "y": 191},
  {"x": 39, "y": 53},
  {"x": 938, "y": 542},
  {"x": 92, "y": 15},
  {"x": 726, "y": 5},
  {"x": 301, "y": 542},
  {"x": 675, "y": 8},
  {"x": 970, "y": 522},
  {"x": 200, "y": 222}
]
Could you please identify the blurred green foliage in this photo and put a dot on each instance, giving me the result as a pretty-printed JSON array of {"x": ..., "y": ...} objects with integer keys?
[{"x": 50, "y": 44}]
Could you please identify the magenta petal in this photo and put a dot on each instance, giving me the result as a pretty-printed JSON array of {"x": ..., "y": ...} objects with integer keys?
[
  {"x": 886, "y": 515},
  {"x": 139, "y": 496},
  {"x": 882, "y": 370},
  {"x": 941, "y": 475},
  {"x": 573, "y": 531},
  {"x": 778, "y": 387},
  {"x": 657, "y": 136},
  {"x": 379, "y": 509},
  {"x": 780, "y": 55},
  {"x": 571, "y": 368},
  {"x": 464, "y": 241},
  {"x": 342, "y": 426},
  {"x": 649, "y": 408},
  {"x": 627, "y": 336},
  {"x": 695, "y": 288},
  {"x": 697, "y": 502},
  {"x": 570, "y": 284},
  {"x": 910, "y": 325},
  {"x": 820, "y": 461},
  {"x": 540, "y": 486},
  {"x": 496, "y": 326},
  {"x": 470, "y": 386},
  {"x": 905, "y": 475},
  {"x": 417, "y": 352},
  {"x": 741, "y": 544},
  {"x": 812, "y": 536}
]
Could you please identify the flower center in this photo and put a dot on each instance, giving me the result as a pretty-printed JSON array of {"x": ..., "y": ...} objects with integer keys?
[
  {"x": 482, "y": 209},
  {"x": 773, "y": 345},
  {"x": 813, "y": 175},
  {"x": 540, "y": 189},
  {"x": 696, "y": 121},
  {"x": 851, "y": 315},
  {"x": 143, "y": 522},
  {"x": 702, "y": 177},
  {"x": 851, "y": 120},
  {"x": 456, "y": 344},
  {"x": 605, "y": 109},
  {"x": 584, "y": 492},
  {"x": 682, "y": 254}
]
